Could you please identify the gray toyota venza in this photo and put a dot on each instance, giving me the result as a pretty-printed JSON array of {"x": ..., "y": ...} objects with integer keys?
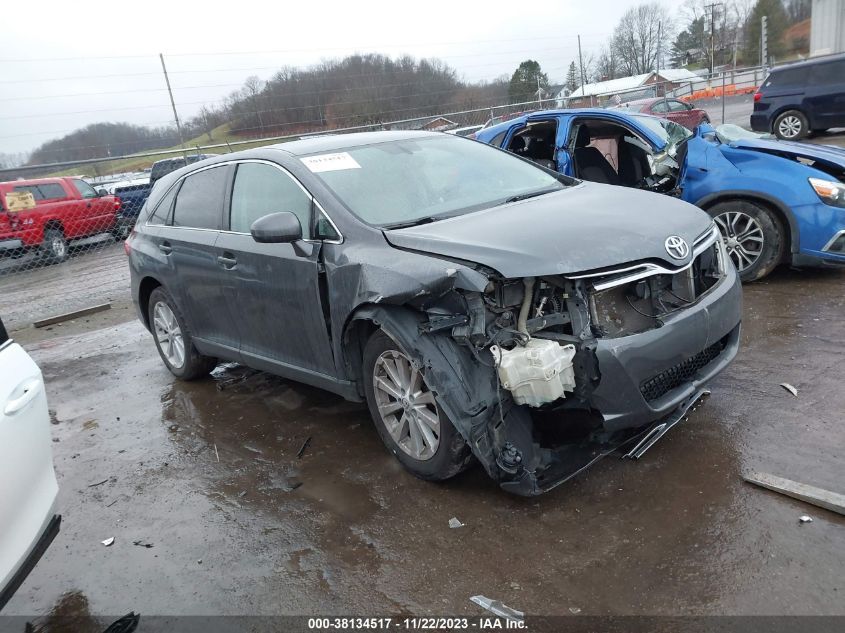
[{"x": 485, "y": 308}]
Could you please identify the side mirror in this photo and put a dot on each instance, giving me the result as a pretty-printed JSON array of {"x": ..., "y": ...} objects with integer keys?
[
  {"x": 102, "y": 192},
  {"x": 277, "y": 228},
  {"x": 690, "y": 105}
]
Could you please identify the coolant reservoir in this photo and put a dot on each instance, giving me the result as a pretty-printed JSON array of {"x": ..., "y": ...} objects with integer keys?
[{"x": 537, "y": 373}]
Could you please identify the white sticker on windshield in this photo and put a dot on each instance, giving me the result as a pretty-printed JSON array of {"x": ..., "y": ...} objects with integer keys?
[{"x": 330, "y": 162}]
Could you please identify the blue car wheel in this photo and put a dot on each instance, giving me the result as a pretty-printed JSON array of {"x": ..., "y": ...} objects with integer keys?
[{"x": 753, "y": 237}]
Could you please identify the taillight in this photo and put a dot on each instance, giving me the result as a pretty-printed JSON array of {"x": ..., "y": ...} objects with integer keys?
[
  {"x": 757, "y": 96},
  {"x": 116, "y": 203},
  {"x": 127, "y": 247}
]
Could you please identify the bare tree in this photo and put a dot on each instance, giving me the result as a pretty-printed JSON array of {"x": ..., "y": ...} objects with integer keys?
[
  {"x": 606, "y": 66},
  {"x": 253, "y": 86},
  {"x": 638, "y": 36}
]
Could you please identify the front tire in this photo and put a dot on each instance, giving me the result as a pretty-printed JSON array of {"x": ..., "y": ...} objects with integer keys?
[
  {"x": 173, "y": 338},
  {"x": 791, "y": 125},
  {"x": 408, "y": 420},
  {"x": 753, "y": 236}
]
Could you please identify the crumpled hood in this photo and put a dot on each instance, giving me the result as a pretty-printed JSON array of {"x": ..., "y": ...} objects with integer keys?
[
  {"x": 826, "y": 153},
  {"x": 578, "y": 229}
]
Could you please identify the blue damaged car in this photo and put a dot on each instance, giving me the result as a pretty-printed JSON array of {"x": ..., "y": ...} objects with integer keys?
[{"x": 774, "y": 201}]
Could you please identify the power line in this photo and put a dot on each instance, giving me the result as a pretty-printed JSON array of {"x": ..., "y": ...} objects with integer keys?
[{"x": 367, "y": 45}]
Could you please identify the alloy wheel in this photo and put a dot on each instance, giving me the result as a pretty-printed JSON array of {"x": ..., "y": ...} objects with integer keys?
[
  {"x": 406, "y": 405},
  {"x": 743, "y": 238},
  {"x": 789, "y": 127},
  {"x": 169, "y": 335}
]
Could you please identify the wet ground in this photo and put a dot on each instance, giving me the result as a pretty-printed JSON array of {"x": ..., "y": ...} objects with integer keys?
[{"x": 239, "y": 524}]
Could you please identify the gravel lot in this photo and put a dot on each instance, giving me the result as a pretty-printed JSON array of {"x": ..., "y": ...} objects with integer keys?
[{"x": 345, "y": 530}]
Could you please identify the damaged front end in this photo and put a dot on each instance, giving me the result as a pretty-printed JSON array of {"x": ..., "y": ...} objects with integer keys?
[{"x": 544, "y": 375}]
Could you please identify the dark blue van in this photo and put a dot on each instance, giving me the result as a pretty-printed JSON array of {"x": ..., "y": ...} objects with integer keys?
[{"x": 800, "y": 98}]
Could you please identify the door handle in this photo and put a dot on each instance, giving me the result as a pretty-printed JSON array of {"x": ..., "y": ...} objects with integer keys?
[
  {"x": 165, "y": 248},
  {"x": 227, "y": 260},
  {"x": 30, "y": 389}
]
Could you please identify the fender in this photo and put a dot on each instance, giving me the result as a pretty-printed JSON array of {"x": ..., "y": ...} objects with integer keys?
[{"x": 785, "y": 211}]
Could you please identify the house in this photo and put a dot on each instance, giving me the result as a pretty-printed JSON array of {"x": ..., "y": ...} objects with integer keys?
[
  {"x": 626, "y": 88},
  {"x": 439, "y": 124}
]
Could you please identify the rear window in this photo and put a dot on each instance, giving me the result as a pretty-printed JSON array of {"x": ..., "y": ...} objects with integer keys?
[
  {"x": 199, "y": 203},
  {"x": 788, "y": 77},
  {"x": 164, "y": 167}
]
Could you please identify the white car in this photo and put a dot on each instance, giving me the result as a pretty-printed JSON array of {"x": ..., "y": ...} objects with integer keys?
[{"x": 28, "y": 489}]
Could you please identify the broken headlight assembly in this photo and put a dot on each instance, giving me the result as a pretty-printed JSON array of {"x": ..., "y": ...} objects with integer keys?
[{"x": 831, "y": 192}]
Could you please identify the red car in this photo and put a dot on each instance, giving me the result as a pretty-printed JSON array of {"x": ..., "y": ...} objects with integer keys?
[
  {"x": 673, "y": 109},
  {"x": 58, "y": 211}
]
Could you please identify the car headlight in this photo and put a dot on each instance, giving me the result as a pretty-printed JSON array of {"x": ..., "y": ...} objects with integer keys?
[{"x": 830, "y": 191}]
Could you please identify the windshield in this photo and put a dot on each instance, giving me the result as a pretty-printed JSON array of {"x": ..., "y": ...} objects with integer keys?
[
  {"x": 407, "y": 181},
  {"x": 728, "y": 133},
  {"x": 669, "y": 132}
]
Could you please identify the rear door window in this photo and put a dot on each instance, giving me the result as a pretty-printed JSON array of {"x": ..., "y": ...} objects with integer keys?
[
  {"x": 199, "y": 203},
  {"x": 261, "y": 189},
  {"x": 52, "y": 191}
]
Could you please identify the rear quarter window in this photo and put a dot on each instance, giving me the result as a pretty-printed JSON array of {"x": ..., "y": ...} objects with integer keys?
[
  {"x": 787, "y": 78},
  {"x": 33, "y": 189}
]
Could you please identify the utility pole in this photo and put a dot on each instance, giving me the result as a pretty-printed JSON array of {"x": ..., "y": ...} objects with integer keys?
[
  {"x": 173, "y": 105},
  {"x": 657, "y": 59},
  {"x": 712, "y": 8},
  {"x": 539, "y": 98},
  {"x": 581, "y": 65},
  {"x": 764, "y": 42}
]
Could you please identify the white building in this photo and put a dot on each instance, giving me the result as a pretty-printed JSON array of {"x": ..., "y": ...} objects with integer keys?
[
  {"x": 589, "y": 93},
  {"x": 827, "y": 29}
]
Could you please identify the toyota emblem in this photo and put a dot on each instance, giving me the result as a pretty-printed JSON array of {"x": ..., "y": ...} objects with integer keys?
[{"x": 677, "y": 247}]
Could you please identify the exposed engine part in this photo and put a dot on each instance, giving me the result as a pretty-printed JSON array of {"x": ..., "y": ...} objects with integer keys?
[
  {"x": 526, "y": 305},
  {"x": 538, "y": 373}
]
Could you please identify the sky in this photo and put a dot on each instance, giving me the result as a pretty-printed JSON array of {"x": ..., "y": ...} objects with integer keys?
[{"x": 69, "y": 64}]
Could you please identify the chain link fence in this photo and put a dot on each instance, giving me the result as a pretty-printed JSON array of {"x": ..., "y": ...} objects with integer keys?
[{"x": 62, "y": 223}]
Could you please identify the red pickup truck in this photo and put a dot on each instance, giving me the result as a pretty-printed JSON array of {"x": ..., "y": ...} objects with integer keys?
[{"x": 60, "y": 210}]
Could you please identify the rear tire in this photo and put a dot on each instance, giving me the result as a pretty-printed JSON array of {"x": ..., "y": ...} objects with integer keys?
[
  {"x": 54, "y": 247},
  {"x": 791, "y": 125},
  {"x": 173, "y": 338},
  {"x": 753, "y": 236},
  {"x": 404, "y": 412}
]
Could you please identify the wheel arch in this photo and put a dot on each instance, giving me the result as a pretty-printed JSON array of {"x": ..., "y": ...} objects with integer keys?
[
  {"x": 781, "y": 211},
  {"x": 360, "y": 326},
  {"x": 54, "y": 223},
  {"x": 145, "y": 289}
]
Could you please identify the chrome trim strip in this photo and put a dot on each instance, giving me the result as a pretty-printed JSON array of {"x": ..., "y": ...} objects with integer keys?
[
  {"x": 826, "y": 247},
  {"x": 641, "y": 271}
]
